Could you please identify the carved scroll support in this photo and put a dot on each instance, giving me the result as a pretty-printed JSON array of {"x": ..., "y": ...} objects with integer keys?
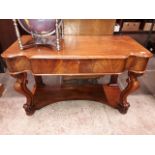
[
  {"x": 21, "y": 87},
  {"x": 133, "y": 84}
]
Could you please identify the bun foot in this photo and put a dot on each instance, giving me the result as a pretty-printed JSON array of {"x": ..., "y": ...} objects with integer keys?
[
  {"x": 123, "y": 108},
  {"x": 29, "y": 109}
]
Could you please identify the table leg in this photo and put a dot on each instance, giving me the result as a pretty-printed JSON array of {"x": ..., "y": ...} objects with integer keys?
[
  {"x": 21, "y": 87},
  {"x": 1, "y": 89},
  {"x": 133, "y": 84},
  {"x": 38, "y": 81},
  {"x": 113, "y": 79}
]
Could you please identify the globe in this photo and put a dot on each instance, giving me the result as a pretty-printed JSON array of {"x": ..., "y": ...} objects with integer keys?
[
  {"x": 44, "y": 32},
  {"x": 38, "y": 26}
]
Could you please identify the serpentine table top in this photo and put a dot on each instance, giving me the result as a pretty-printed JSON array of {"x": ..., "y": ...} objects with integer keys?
[{"x": 84, "y": 47}]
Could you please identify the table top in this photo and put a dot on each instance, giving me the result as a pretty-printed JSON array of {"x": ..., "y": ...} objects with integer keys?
[{"x": 83, "y": 47}]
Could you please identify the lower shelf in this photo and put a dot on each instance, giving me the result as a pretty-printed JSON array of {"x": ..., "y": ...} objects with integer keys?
[{"x": 51, "y": 94}]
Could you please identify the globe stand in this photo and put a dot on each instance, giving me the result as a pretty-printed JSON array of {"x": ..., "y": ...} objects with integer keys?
[{"x": 50, "y": 40}]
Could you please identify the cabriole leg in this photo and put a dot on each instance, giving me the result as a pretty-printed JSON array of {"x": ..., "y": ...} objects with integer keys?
[
  {"x": 21, "y": 87},
  {"x": 133, "y": 84}
]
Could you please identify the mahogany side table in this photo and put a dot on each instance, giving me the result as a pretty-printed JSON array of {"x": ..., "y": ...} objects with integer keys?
[{"x": 80, "y": 56}]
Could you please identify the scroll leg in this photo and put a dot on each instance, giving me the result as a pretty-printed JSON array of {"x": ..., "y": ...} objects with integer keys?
[
  {"x": 133, "y": 84},
  {"x": 20, "y": 86},
  {"x": 39, "y": 82}
]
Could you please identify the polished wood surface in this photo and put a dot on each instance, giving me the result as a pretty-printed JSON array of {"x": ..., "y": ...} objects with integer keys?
[
  {"x": 88, "y": 26},
  {"x": 81, "y": 56},
  {"x": 83, "y": 47},
  {"x": 21, "y": 87},
  {"x": 133, "y": 84}
]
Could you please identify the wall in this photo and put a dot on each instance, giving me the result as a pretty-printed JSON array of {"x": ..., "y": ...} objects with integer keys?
[{"x": 89, "y": 26}]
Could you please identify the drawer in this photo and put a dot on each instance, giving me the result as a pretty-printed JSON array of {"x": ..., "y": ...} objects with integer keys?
[
  {"x": 82, "y": 66},
  {"x": 58, "y": 66}
]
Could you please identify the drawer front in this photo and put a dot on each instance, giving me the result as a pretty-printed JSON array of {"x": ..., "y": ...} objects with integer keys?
[{"x": 57, "y": 66}]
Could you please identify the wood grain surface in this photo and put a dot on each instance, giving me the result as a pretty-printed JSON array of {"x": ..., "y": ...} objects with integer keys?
[
  {"x": 80, "y": 55},
  {"x": 84, "y": 47}
]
